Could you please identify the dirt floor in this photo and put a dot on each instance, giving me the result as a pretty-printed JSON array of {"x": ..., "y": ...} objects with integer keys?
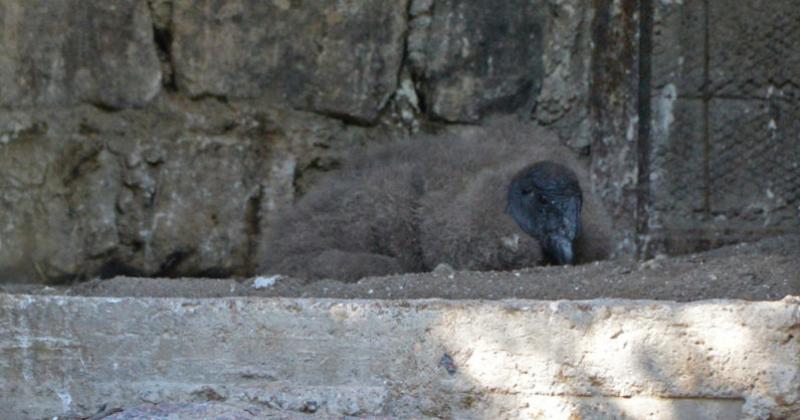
[{"x": 766, "y": 270}]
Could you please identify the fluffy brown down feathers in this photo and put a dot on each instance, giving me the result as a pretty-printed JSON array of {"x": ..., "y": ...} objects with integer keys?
[{"x": 419, "y": 202}]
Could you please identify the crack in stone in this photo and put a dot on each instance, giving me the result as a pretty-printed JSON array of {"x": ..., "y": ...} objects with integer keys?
[
  {"x": 253, "y": 219},
  {"x": 161, "y": 16}
]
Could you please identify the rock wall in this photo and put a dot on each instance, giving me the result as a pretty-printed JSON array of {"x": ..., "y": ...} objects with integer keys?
[
  {"x": 160, "y": 136},
  {"x": 87, "y": 192},
  {"x": 409, "y": 359},
  {"x": 72, "y": 52}
]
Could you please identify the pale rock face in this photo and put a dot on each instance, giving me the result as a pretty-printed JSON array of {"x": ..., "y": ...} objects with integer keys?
[
  {"x": 472, "y": 61},
  {"x": 334, "y": 58},
  {"x": 182, "y": 189},
  {"x": 591, "y": 359},
  {"x": 76, "y": 51}
]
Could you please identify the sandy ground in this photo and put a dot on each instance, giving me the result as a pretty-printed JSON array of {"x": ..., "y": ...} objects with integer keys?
[{"x": 766, "y": 270}]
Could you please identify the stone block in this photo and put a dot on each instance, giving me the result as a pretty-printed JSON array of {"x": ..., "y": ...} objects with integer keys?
[
  {"x": 473, "y": 61},
  {"x": 191, "y": 206},
  {"x": 57, "y": 203},
  {"x": 182, "y": 188},
  {"x": 505, "y": 359},
  {"x": 563, "y": 102},
  {"x": 341, "y": 59},
  {"x": 73, "y": 51}
]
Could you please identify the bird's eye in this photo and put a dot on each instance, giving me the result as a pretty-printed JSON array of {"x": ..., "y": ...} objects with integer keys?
[{"x": 542, "y": 199}]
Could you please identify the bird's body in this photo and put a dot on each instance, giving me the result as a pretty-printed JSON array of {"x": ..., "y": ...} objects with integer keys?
[{"x": 412, "y": 205}]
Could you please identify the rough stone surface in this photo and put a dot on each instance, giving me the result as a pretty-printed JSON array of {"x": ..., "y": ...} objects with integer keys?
[
  {"x": 614, "y": 114},
  {"x": 510, "y": 359},
  {"x": 182, "y": 188},
  {"x": 335, "y": 58},
  {"x": 75, "y": 51},
  {"x": 197, "y": 410},
  {"x": 547, "y": 408},
  {"x": 563, "y": 102},
  {"x": 471, "y": 62}
]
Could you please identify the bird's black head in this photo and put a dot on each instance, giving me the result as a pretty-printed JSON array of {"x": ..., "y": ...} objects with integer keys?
[{"x": 545, "y": 200}]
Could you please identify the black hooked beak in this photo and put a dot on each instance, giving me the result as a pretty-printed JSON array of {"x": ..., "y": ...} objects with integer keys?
[
  {"x": 559, "y": 245},
  {"x": 559, "y": 248}
]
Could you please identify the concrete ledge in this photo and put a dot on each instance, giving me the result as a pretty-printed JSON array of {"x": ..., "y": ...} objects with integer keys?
[{"x": 492, "y": 359}]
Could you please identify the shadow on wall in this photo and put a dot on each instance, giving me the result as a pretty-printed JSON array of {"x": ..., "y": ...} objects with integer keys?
[{"x": 576, "y": 360}]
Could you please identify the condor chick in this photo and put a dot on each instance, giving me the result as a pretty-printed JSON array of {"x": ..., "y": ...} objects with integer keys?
[{"x": 504, "y": 196}]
